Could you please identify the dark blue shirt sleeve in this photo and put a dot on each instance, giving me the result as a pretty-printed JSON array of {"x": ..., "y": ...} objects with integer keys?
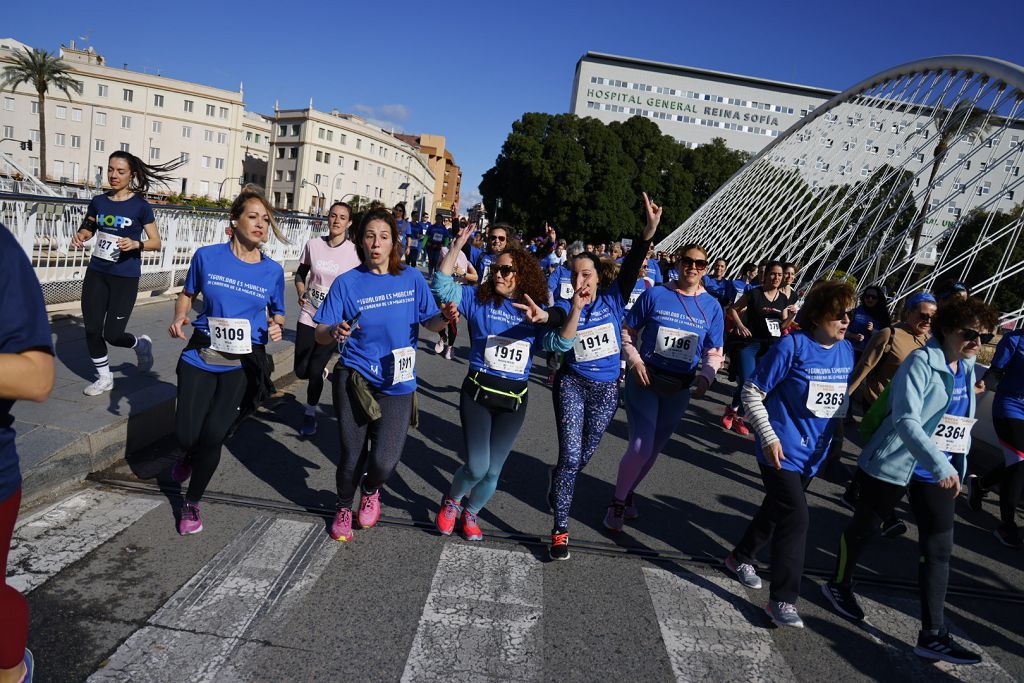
[
  {"x": 194, "y": 280},
  {"x": 1005, "y": 350}
]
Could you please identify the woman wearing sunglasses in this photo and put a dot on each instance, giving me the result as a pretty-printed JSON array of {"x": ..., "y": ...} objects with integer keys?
[
  {"x": 668, "y": 333},
  {"x": 504, "y": 326},
  {"x": 795, "y": 398},
  {"x": 871, "y": 316},
  {"x": 497, "y": 242},
  {"x": 921, "y": 445}
]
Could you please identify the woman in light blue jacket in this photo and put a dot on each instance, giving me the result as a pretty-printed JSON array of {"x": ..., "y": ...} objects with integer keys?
[{"x": 921, "y": 445}]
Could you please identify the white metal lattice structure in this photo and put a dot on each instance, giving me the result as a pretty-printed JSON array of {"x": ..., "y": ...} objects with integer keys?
[{"x": 931, "y": 149}]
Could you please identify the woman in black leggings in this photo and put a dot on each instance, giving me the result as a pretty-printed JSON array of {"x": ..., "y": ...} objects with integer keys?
[{"x": 118, "y": 219}]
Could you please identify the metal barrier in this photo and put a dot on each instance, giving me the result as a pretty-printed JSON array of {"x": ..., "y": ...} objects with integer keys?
[{"x": 43, "y": 226}]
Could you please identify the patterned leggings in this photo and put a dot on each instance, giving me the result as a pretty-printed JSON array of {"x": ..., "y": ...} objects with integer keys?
[{"x": 583, "y": 409}]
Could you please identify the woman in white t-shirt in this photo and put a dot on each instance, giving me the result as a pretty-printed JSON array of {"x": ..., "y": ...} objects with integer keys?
[
  {"x": 464, "y": 274},
  {"x": 323, "y": 259}
]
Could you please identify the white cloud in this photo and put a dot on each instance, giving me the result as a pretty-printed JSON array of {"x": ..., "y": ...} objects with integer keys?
[
  {"x": 469, "y": 197},
  {"x": 387, "y": 116}
]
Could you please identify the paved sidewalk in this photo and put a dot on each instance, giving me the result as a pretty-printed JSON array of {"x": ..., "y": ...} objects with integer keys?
[{"x": 70, "y": 435}]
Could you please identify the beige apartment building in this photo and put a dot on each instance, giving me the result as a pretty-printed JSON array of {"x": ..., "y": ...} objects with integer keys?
[
  {"x": 447, "y": 175},
  {"x": 319, "y": 157}
]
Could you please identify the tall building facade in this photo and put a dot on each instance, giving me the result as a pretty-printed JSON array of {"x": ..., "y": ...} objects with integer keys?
[{"x": 447, "y": 174}]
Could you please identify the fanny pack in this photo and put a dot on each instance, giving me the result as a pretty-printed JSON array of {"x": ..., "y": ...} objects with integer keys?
[
  {"x": 201, "y": 343},
  {"x": 488, "y": 392},
  {"x": 665, "y": 383}
]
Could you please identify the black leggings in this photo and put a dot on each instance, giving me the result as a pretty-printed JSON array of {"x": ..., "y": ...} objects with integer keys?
[
  {"x": 107, "y": 303},
  {"x": 1010, "y": 478},
  {"x": 387, "y": 437},
  {"x": 207, "y": 407},
  {"x": 782, "y": 521},
  {"x": 933, "y": 512},
  {"x": 310, "y": 360}
]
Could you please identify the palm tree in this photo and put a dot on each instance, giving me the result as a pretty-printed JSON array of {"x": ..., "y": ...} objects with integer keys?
[{"x": 41, "y": 69}]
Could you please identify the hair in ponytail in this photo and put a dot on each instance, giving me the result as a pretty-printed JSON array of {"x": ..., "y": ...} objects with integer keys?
[{"x": 145, "y": 176}]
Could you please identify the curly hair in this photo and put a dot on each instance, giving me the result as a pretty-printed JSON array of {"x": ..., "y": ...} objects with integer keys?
[
  {"x": 530, "y": 279},
  {"x": 827, "y": 300},
  {"x": 956, "y": 314}
]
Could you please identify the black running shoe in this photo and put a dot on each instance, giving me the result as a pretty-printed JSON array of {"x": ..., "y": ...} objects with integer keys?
[
  {"x": 893, "y": 527},
  {"x": 943, "y": 648},
  {"x": 559, "y": 549},
  {"x": 843, "y": 600},
  {"x": 1009, "y": 537}
]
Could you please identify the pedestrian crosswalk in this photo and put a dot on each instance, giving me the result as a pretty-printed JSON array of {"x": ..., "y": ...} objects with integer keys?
[{"x": 482, "y": 616}]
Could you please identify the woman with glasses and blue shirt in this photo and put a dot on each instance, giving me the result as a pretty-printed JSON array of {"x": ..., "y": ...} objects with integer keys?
[{"x": 871, "y": 316}]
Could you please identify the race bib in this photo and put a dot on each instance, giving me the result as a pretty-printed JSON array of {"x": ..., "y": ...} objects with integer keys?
[
  {"x": 507, "y": 355},
  {"x": 437, "y": 238},
  {"x": 597, "y": 342},
  {"x": 953, "y": 433},
  {"x": 405, "y": 365},
  {"x": 774, "y": 327},
  {"x": 315, "y": 295},
  {"x": 486, "y": 273},
  {"x": 566, "y": 290},
  {"x": 676, "y": 344},
  {"x": 633, "y": 296},
  {"x": 106, "y": 247},
  {"x": 230, "y": 335},
  {"x": 827, "y": 399}
]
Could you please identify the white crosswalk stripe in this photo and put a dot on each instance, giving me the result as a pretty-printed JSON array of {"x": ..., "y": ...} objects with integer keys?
[{"x": 48, "y": 541}]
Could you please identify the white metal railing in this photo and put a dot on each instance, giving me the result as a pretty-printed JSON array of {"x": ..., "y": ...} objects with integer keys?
[{"x": 43, "y": 226}]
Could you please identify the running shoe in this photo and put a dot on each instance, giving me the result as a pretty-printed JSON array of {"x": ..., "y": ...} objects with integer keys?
[
  {"x": 975, "y": 492},
  {"x": 144, "y": 353},
  {"x": 746, "y": 573},
  {"x": 728, "y": 417},
  {"x": 369, "y": 509},
  {"x": 843, "y": 600},
  {"x": 470, "y": 529},
  {"x": 893, "y": 527},
  {"x": 341, "y": 527},
  {"x": 739, "y": 426},
  {"x": 783, "y": 614},
  {"x": 190, "y": 522},
  {"x": 100, "y": 386},
  {"x": 614, "y": 518},
  {"x": 182, "y": 470},
  {"x": 308, "y": 427},
  {"x": 629, "y": 512},
  {"x": 439, "y": 347},
  {"x": 559, "y": 549},
  {"x": 448, "y": 353},
  {"x": 447, "y": 515},
  {"x": 1009, "y": 537},
  {"x": 943, "y": 648},
  {"x": 30, "y": 666}
]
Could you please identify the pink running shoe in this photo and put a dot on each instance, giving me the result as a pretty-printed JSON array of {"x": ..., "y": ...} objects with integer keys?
[
  {"x": 182, "y": 470},
  {"x": 369, "y": 509},
  {"x": 341, "y": 527},
  {"x": 728, "y": 417},
  {"x": 447, "y": 516},
  {"x": 190, "y": 521},
  {"x": 470, "y": 528}
]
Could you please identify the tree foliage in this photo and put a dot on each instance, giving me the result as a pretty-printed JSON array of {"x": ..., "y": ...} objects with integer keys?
[{"x": 586, "y": 177}]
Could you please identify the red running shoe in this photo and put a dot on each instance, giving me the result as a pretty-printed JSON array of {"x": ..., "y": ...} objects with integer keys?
[
  {"x": 728, "y": 417},
  {"x": 470, "y": 529},
  {"x": 447, "y": 515},
  {"x": 739, "y": 427}
]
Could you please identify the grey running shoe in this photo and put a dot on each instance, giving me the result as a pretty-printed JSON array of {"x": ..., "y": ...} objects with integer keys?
[
  {"x": 783, "y": 614},
  {"x": 743, "y": 571},
  {"x": 144, "y": 353},
  {"x": 843, "y": 600}
]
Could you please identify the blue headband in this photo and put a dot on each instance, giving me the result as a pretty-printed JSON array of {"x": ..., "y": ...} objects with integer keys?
[{"x": 919, "y": 298}]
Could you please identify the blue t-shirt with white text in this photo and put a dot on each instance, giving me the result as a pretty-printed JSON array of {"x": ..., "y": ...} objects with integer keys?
[
  {"x": 560, "y": 284},
  {"x": 436, "y": 236},
  {"x": 1009, "y": 357},
  {"x": 676, "y": 329},
  {"x": 502, "y": 341},
  {"x": 596, "y": 352}
]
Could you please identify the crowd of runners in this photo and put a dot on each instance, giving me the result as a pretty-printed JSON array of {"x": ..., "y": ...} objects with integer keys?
[{"x": 620, "y": 325}]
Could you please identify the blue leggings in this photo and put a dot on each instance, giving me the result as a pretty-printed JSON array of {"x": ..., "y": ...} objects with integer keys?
[
  {"x": 583, "y": 409},
  {"x": 747, "y": 357},
  {"x": 488, "y": 436},
  {"x": 652, "y": 419}
]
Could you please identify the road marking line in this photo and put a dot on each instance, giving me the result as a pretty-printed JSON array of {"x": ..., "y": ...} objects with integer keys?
[
  {"x": 711, "y": 630},
  {"x": 50, "y": 540},
  {"x": 239, "y": 596},
  {"x": 481, "y": 619}
]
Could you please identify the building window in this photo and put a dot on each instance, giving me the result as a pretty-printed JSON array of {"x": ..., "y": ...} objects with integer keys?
[
  {"x": 280, "y": 152},
  {"x": 102, "y": 90},
  {"x": 341, "y": 162},
  {"x": 76, "y": 141},
  {"x": 984, "y": 189},
  {"x": 101, "y": 118},
  {"x": 283, "y": 131},
  {"x": 76, "y": 114},
  {"x": 204, "y": 188},
  {"x": 61, "y": 113},
  {"x": 211, "y": 110},
  {"x": 125, "y": 147},
  {"x": 186, "y": 131},
  {"x": 58, "y": 139},
  {"x": 33, "y": 135},
  {"x": 330, "y": 136},
  {"x": 218, "y": 163},
  {"x": 278, "y": 175},
  {"x": 126, "y": 122},
  {"x": 248, "y": 136},
  {"x": 58, "y": 169},
  {"x": 295, "y": 128},
  {"x": 157, "y": 126},
  {"x": 184, "y": 156},
  {"x": 189, "y": 105},
  {"x": 322, "y": 133},
  {"x": 223, "y": 112},
  {"x": 327, "y": 157},
  {"x": 205, "y": 162},
  {"x": 342, "y": 138},
  {"x": 293, "y": 152},
  {"x": 359, "y": 145},
  {"x": 8, "y": 131},
  {"x": 127, "y": 94},
  {"x": 35, "y": 107},
  {"x": 290, "y": 176},
  {"x": 319, "y": 155},
  {"x": 222, "y": 138},
  {"x": 355, "y": 164},
  {"x": 101, "y": 145},
  {"x": 158, "y": 100},
  {"x": 207, "y": 135},
  {"x": 154, "y": 153}
]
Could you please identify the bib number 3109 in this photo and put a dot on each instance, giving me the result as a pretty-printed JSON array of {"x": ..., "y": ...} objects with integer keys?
[{"x": 230, "y": 335}]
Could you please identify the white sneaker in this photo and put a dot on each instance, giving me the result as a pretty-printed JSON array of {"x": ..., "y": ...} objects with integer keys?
[
  {"x": 103, "y": 384},
  {"x": 144, "y": 353}
]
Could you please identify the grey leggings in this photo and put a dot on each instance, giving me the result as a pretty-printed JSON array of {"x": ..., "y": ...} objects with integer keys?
[{"x": 387, "y": 436}]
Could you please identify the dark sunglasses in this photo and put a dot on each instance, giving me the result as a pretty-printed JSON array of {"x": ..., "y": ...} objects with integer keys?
[
  {"x": 971, "y": 335},
  {"x": 925, "y": 317},
  {"x": 505, "y": 271},
  {"x": 687, "y": 262},
  {"x": 870, "y": 296},
  {"x": 496, "y": 238}
]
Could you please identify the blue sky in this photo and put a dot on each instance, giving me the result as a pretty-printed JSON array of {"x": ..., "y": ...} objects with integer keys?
[{"x": 468, "y": 70}]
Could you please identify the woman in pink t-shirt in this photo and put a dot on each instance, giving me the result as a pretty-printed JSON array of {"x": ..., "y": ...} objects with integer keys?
[
  {"x": 464, "y": 274},
  {"x": 323, "y": 259}
]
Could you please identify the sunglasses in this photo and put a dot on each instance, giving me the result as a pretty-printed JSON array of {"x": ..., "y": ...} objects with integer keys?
[
  {"x": 505, "y": 271},
  {"x": 698, "y": 263},
  {"x": 925, "y": 317},
  {"x": 870, "y": 296},
  {"x": 971, "y": 335},
  {"x": 496, "y": 238}
]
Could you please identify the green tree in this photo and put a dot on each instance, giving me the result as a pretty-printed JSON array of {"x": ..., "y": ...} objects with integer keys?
[
  {"x": 1010, "y": 292},
  {"x": 42, "y": 70}
]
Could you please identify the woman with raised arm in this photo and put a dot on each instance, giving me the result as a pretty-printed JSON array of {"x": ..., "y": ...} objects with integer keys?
[
  {"x": 118, "y": 219},
  {"x": 243, "y": 309},
  {"x": 505, "y": 325},
  {"x": 372, "y": 312}
]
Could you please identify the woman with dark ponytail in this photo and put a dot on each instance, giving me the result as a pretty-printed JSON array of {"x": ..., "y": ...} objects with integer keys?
[{"x": 117, "y": 219}]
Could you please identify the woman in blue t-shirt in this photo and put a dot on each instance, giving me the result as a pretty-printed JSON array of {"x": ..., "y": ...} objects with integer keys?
[
  {"x": 669, "y": 334},
  {"x": 243, "y": 308},
  {"x": 794, "y": 400},
  {"x": 871, "y": 316},
  {"x": 586, "y": 388},
  {"x": 118, "y": 219},
  {"x": 373, "y": 312},
  {"x": 505, "y": 324},
  {"x": 921, "y": 445}
]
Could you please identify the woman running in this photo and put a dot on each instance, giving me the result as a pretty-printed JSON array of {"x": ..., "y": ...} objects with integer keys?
[
  {"x": 243, "y": 308},
  {"x": 734, "y": 289},
  {"x": 505, "y": 324},
  {"x": 464, "y": 274},
  {"x": 118, "y": 219},
  {"x": 586, "y": 388},
  {"x": 769, "y": 312},
  {"x": 794, "y": 399},
  {"x": 668, "y": 333},
  {"x": 871, "y": 316},
  {"x": 921, "y": 445},
  {"x": 323, "y": 259},
  {"x": 1007, "y": 373},
  {"x": 788, "y": 278},
  {"x": 373, "y": 312},
  {"x": 714, "y": 282}
]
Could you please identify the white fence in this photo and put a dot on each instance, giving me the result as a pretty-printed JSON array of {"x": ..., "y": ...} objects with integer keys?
[{"x": 43, "y": 226}]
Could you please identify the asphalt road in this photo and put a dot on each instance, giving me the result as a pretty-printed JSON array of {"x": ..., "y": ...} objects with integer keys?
[{"x": 262, "y": 594}]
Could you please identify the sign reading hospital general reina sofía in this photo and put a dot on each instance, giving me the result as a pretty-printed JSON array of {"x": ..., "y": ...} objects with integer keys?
[{"x": 686, "y": 107}]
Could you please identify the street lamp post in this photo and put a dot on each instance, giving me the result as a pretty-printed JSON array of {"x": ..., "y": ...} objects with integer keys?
[
  {"x": 314, "y": 186},
  {"x": 335, "y": 178},
  {"x": 220, "y": 190}
]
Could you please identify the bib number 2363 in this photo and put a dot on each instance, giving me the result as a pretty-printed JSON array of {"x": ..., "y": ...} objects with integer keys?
[
  {"x": 827, "y": 399},
  {"x": 953, "y": 433},
  {"x": 230, "y": 335},
  {"x": 507, "y": 355}
]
